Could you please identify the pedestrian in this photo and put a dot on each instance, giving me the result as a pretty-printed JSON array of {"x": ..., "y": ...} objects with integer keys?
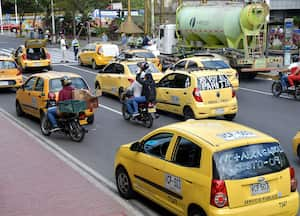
[
  {"x": 104, "y": 37},
  {"x": 63, "y": 47},
  {"x": 123, "y": 40},
  {"x": 75, "y": 45},
  {"x": 40, "y": 33}
]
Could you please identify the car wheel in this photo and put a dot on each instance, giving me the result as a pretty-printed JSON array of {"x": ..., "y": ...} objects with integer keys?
[
  {"x": 91, "y": 119},
  {"x": 195, "y": 211},
  {"x": 276, "y": 89},
  {"x": 94, "y": 65},
  {"x": 49, "y": 68},
  {"x": 98, "y": 88},
  {"x": 188, "y": 113},
  {"x": 45, "y": 125},
  {"x": 19, "y": 110},
  {"x": 124, "y": 183},
  {"x": 230, "y": 117},
  {"x": 79, "y": 62}
]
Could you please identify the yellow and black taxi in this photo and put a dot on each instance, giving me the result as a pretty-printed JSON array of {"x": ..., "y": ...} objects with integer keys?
[
  {"x": 97, "y": 54},
  {"x": 296, "y": 144},
  {"x": 118, "y": 76},
  {"x": 141, "y": 53},
  {"x": 208, "y": 62},
  {"x": 10, "y": 73},
  {"x": 209, "y": 167},
  {"x": 32, "y": 97},
  {"x": 197, "y": 94},
  {"x": 33, "y": 55}
]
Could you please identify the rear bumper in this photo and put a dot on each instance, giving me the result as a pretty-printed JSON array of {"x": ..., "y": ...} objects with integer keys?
[
  {"x": 37, "y": 65},
  {"x": 211, "y": 110},
  {"x": 287, "y": 206},
  {"x": 11, "y": 82}
]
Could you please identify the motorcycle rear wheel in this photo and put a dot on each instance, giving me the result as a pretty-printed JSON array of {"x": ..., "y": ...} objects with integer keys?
[
  {"x": 45, "y": 125},
  {"x": 125, "y": 113},
  {"x": 148, "y": 121},
  {"x": 76, "y": 131},
  {"x": 276, "y": 89}
]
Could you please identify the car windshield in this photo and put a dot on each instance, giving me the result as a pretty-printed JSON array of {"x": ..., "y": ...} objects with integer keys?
[
  {"x": 144, "y": 55},
  {"x": 7, "y": 65},
  {"x": 77, "y": 82},
  {"x": 249, "y": 161},
  {"x": 215, "y": 64},
  {"x": 134, "y": 68},
  {"x": 213, "y": 82}
]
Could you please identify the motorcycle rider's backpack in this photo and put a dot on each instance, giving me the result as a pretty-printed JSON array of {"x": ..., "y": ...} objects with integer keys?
[{"x": 150, "y": 92}]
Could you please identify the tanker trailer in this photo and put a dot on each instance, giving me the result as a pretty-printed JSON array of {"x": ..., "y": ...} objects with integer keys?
[{"x": 235, "y": 30}]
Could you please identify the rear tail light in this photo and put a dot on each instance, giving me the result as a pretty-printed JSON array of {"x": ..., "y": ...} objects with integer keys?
[
  {"x": 24, "y": 57},
  {"x": 51, "y": 96},
  {"x": 48, "y": 56},
  {"x": 233, "y": 93},
  {"x": 19, "y": 72},
  {"x": 197, "y": 95},
  {"x": 150, "y": 105},
  {"x": 130, "y": 80},
  {"x": 218, "y": 194},
  {"x": 293, "y": 179},
  {"x": 82, "y": 116},
  {"x": 237, "y": 75}
]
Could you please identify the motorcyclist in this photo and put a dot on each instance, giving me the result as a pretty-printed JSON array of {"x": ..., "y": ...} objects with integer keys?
[
  {"x": 64, "y": 94},
  {"x": 294, "y": 75}
]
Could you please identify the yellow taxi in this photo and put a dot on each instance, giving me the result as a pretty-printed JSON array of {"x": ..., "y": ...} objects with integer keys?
[
  {"x": 118, "y": 76},
  {"x": 209, "y": 167},
  {"x": 33, "y": 55},
  {"x": 208, "y": 62},
  {"x": 10, "y": 74},
  {"x": 141, "y": 53},
  {"x": 197, "y": 94},
  {"x": 32, "y": 97},
  {"x": 296, "y": 144},
  {"x": 97, "y": 54}
]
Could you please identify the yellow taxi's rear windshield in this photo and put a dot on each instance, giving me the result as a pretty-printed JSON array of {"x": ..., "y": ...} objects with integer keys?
[
  {"x": 134, "y": 68},
  {"x": 4, "y": 64},
  {"x": 77, "y": 82},
  {"x": 213, "y": 82},
  {"x": 249, "y": 161},
  {"x": 215, "y": 64}
]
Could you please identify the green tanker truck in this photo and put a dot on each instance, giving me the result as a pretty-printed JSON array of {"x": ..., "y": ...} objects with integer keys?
[{"x": 235, "y": 30}]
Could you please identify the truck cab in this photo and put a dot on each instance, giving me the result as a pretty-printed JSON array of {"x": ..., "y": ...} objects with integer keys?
[{"x": 167, "y": 39}]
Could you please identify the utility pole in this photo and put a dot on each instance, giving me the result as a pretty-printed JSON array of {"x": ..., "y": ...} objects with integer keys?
[
  {"x": 146, "y": 16},
  {"x": 162, "y": 12},
  {"x": 16, "y": 11},
  {"x": 1, "y": 23},
  {"x": 53, "y": 23},
  {"x": 152, "y": 17}
]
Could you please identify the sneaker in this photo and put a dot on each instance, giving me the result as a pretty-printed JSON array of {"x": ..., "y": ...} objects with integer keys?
[
  {"x": 55, "y": 129},
  {"x": 293, "y": 88},
  {"x": 135, "y": 114}
]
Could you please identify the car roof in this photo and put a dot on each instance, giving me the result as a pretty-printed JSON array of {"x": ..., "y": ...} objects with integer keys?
[
  {"x": 220, "y": 134},
  {"x": 55, "y": 74}
]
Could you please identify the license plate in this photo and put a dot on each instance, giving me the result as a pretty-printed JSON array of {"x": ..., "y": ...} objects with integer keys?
[
  {"x": 220, "y": 111},
  {"x": 37, "y": 64},
  {"x": 4, "y": 83},
  {"x": 260, "y": 188},
  {"x": 151, "y": 110}
]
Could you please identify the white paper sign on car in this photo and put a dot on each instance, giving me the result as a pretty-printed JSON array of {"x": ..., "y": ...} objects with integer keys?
[
  {"x": 173, "y": 183},
  {"x": 234, "y": 135}
]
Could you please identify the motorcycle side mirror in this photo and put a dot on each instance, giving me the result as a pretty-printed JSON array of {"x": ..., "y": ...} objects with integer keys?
[{"x": 136, "y": 146}]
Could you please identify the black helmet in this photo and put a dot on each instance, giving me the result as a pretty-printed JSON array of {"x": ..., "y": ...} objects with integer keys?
[
  {"x": 143, "y": 65},
  {"x": 65, "y": 80}
]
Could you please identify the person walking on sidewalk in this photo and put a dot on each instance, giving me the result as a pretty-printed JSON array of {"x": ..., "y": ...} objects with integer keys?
[
  {"x": 104, "y": 37},
  {"x": 75, "y": 45},
  {"x": 63, "y": 47}
]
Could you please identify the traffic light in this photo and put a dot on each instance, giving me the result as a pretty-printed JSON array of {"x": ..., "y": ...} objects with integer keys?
[{"x": 119, "y": 13}]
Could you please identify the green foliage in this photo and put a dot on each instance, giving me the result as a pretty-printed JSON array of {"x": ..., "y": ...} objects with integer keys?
[{"x": 297, "y": 21}]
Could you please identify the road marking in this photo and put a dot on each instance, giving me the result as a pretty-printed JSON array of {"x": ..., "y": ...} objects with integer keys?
[
  {"x": 110, "y": 109},
  {"x": 264, "y": 93},
  {"x": 91, "y": 175},
  {"x": 84, "y": 70}
]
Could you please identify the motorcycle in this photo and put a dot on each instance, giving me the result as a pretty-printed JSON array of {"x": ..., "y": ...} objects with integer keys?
[
  {"x": 278, "y": 89},
  {"x": 67, "y": 123},
  {"x": 147, "y": 112}
]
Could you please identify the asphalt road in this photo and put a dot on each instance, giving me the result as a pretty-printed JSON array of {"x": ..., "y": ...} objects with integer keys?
[{"x": 278, "y": 117}]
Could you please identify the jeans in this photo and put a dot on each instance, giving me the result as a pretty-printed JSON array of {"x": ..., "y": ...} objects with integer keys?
[
  {"x": 75, "y": 52},
  {"x": 129, "y": 105},
  {"x": 51, "y": 114},
  {"x": 137, "y": 100},
  {"x": 284, "y": 81}
]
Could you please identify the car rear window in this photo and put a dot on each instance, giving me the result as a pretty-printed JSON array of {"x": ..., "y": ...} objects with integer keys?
[
  {"x": 213, "y": 82},
  {"x": 144, "y": 55},
  {"x": 7, "y": 65},
  {"x": 134, "y": 68},
  {"x": 109, "y": 50},
  {"x": 77, "y": 82},
  {"x": 215, "y": 64},
  {"x": 249, "y": 161}
]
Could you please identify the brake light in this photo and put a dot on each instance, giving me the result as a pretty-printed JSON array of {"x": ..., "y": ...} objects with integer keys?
[
  {"x": 233, "y": 93},
  {"x": 293, "y": 179},
  {"x": 237, "y": 75},
  {"x": 218, "y": 194},
  {"x": 51, "y": 96},
  {"x": 24, "y": 57},
  {"x": 130, "y": 80},
  {"x": 82, "y": 116},
  {"x": 197, "y": 95},
  {"x": 48, "y": 56}
]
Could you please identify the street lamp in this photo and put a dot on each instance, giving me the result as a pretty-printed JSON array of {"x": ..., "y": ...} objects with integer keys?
[
  {"x": 53, "y": 23},
  {"x": 1, "y": 23}
]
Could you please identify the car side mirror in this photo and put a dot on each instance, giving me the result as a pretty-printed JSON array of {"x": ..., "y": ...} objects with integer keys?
[{"x": 136, "y": 146}]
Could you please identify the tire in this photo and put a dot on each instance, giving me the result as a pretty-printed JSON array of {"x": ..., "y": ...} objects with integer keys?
[
  {"x": 98, "y": 87},
  {"x": 298, "y": 151},
  {"x": 125, "y": 114},
  {"x": 124, "y": 183},
  {"x": 148, "y": 121},
  {"x": 19, "y": 110},
  {"x": 121, "y": 90},
  {"x": 76, "y": 131},
  {"x": 188, "y": 113},
  {"x": 45, "y": 125},
  {"x": 94, "y": 65},
  {"x": 49, "y": 68},
  {"x": 230, "y": 117},
  {"x": 91, "y": 119},
  {"x": 297, "y": 93},
  {"x": 194, "y": 211},
  {"x": 276, "y": 89},
  {"x": 79, "y": 61}
]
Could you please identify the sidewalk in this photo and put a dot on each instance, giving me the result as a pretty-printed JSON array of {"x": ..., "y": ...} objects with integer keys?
[{"x": 35, "y": 182}]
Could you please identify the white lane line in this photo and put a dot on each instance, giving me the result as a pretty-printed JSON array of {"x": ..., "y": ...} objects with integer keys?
[
  {"x": 91, "y": 175},
  {"x": 7, "y": 50},
  {"x": 264, "y": 93},
  {"x": 84, "y": 70},
  {"x": 110, "y": 109}
]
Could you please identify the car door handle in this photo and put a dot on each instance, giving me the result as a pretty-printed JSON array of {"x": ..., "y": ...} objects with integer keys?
[
  {"x": 184, "y": 93},
  {"x": 167, "y": 92},
  {"x": 156, "y": 168}
]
